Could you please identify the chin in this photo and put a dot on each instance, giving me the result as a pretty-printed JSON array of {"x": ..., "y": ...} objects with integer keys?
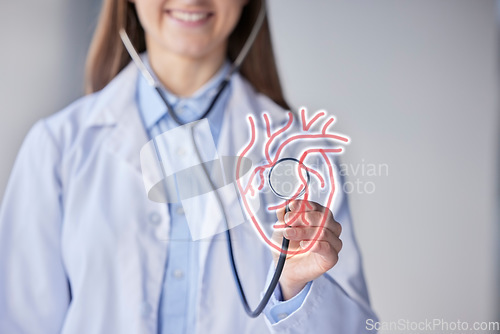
[
  {"x": 190, "y": 46},
  {"x": 193, "y": 52}
]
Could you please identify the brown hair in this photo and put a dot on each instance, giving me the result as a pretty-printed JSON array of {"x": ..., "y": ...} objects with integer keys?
[{"x": 107, "y": 55}]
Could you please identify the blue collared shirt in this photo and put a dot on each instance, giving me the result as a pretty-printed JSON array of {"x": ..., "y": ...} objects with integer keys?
[{"x": 178, "y": 297}]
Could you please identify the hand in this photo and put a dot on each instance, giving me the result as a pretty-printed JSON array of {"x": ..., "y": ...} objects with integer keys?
[{"x": 321, "y": 257}]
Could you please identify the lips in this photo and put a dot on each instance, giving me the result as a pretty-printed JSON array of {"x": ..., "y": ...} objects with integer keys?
[{"x": 189, "y": 17}]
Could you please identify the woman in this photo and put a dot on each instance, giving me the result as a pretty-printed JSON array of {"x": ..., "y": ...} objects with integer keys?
[{"x": 83, "y": 250}]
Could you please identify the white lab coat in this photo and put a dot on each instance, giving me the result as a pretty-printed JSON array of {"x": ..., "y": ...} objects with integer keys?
[{"x": 82, "y": 249}]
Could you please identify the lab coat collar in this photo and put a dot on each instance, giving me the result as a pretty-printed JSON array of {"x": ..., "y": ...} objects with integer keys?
[
  {"x": 235, "y": 134},
  {"x": 115, "y": 106},
  {"x": 154, "y": 108},
  {"x": 115, "y": 99}
]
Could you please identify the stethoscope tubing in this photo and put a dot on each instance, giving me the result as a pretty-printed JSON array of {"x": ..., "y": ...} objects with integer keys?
[{"x": 223, "y": 85}]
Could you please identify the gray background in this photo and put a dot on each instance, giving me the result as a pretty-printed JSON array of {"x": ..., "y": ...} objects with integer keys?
[{"x": 413, "y": 83}]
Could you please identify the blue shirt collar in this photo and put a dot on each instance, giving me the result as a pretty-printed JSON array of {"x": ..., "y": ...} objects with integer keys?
[{"x": 188, "y": 108}]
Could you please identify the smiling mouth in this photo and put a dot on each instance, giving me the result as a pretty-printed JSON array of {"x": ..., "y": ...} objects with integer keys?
[{"x": 189, "y": 17}]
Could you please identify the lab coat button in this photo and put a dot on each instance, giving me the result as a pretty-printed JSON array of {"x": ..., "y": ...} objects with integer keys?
[
  {"x": 282, "y": 316},
  {"x": 179, "y": 274},
  {"x": 181, "y": 151},
  {"x": 154, "y": 218},
  {"x": 180, "y": 211}
]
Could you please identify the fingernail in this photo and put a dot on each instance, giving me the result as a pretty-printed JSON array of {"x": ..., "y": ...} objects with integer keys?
[
  {"x": 304, "y": 244},
  {"x": 290, "y": 232}
]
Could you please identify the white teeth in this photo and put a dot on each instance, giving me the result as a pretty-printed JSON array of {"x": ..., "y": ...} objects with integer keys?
[{"x": 188, "y": 17}]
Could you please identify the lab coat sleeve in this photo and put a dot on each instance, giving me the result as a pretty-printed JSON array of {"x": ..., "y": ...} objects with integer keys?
[
  {"x": 34, "y": 292},
  {"x": 277, "y": 309},
  {"x": 336, "y": 302}
]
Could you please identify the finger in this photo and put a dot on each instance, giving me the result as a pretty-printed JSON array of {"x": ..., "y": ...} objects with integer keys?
[
  {"x": 328, "y": 255},
  {"x": 334, "y": 226},
  {"x": 295, "y": 219},
  {"x": 300, "y": 205},
  {"x": 280, "y": 213},
  {"x": 277, "y": 238},
  {"x": 306, "y": 218},
  {"x": 335, "y": 243},
  {"x": 309, "y": 233},
  {"x": 313, "y": 218},
  {"x": 316, "y": 218},
  {"x": 307, "y": 206}
]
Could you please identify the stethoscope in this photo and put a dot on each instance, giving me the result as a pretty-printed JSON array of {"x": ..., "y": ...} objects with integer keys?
[{"x": 222, "y": 86}]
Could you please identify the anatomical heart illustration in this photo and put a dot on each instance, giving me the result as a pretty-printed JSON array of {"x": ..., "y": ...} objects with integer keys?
[{"x": 312, "y": 145}]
